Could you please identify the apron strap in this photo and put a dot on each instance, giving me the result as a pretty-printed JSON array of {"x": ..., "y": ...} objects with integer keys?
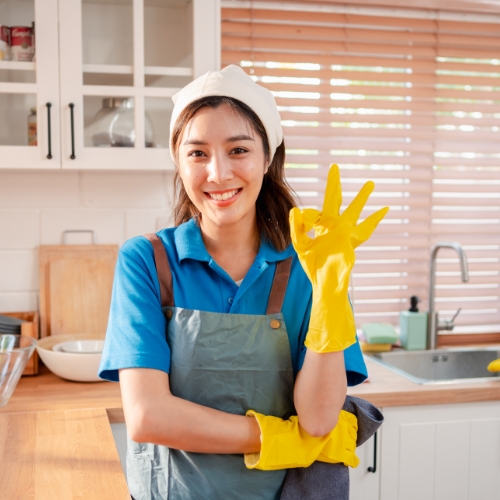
[
  {"x": 162, "y": 269},
  {"x": 280, "y": 282}
]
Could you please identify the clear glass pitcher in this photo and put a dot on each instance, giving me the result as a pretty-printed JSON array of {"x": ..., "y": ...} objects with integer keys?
[{"x": 113, "y": 125}]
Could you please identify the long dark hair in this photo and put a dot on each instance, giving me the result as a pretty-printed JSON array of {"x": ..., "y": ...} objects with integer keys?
[{"x": 276, "y": 197}]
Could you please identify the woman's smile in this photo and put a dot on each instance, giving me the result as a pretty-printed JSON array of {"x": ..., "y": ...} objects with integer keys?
[{"x": 224, "y": 198}]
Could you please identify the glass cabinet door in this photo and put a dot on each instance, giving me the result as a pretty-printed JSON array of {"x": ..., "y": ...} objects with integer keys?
[
  {"x": 29, "y": 84},
  {"x": 121, "y": 62}
]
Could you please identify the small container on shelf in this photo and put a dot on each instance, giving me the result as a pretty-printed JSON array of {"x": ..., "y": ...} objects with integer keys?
[
  {"x": 4, "y": 43},
  {"x": 32, "y": 128},
  {"x": 21, "y": 43},
  {"x": 113, "y": 125}
]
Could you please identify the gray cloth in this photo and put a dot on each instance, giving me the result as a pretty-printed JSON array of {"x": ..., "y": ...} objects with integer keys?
[{"x": 323, "y": 481}]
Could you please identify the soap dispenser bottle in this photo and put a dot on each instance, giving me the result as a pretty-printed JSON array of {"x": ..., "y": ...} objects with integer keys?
[{"x": 413, "y": 327}]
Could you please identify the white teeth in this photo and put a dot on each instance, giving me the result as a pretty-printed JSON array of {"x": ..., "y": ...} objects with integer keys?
[{"x": 223, "y": 196}]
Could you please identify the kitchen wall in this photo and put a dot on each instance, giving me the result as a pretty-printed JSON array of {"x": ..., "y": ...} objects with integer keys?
[{"x": 37, "y": 206}]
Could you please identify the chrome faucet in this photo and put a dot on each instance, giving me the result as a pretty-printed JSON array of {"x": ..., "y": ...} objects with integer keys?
[{"x": 434, "y": 325}]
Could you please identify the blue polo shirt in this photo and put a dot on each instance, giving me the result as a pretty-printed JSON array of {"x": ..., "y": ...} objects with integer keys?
[{"x": 135, "y": 336}]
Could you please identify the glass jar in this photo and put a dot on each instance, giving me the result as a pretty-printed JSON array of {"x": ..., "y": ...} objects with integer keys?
[
  {"x": 113, "y": 125},
  {"x": 32, "y": 139}
]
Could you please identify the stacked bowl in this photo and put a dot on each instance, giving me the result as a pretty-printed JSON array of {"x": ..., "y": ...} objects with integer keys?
[{"x": 72, "y": 356}]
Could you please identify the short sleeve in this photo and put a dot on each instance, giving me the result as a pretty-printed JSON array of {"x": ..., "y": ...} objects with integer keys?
[{"x": 136, "y": 333}]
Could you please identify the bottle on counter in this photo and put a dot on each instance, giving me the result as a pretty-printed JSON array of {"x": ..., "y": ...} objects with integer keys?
[
  {"x": 32, "y": 128},
  {"x": 413, "y": 327}
]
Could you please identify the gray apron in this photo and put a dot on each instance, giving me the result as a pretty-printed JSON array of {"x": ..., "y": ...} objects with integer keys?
[{"x": 230, "y": 362}]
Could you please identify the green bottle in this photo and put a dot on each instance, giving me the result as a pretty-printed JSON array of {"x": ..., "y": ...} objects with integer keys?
[{"x": 413, "y": 327}]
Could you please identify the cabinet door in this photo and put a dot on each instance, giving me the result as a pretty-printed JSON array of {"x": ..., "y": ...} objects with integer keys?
[
  {"x": 29, "y": 87},
  {"x": 121, "y": 62},
  {"x": 365, "y": 484},
  {"x": 445, "y": 451}
]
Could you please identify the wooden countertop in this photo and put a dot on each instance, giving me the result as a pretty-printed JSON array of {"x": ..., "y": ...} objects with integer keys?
[
  {"x": 59, "y": 455},
  {"x": 47, "y": 392},
  {"x": 55, "y": 437}
]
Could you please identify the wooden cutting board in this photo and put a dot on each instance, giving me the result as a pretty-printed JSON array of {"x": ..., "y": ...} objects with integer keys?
[{"x": 75, "y": 288}]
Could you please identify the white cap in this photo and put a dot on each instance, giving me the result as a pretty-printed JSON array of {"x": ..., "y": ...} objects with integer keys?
[{"x": 233, "y": 82}]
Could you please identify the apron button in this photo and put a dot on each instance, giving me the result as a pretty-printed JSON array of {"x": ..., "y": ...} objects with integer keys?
[
  {"x": 168, "y": 314},
  {"x": 274, "y": 324}
]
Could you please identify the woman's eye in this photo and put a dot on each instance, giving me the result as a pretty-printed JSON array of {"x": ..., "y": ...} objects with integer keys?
[
  {"x": 239, "y": 151},
  {"x": 196, "y": 153}
]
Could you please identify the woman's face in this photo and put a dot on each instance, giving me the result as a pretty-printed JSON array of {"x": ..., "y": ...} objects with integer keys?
[{"x": 222, "y": 165}]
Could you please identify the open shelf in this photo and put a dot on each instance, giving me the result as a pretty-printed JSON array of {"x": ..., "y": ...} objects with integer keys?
[
  {"x": 128, "y": 70},
  {"x": 18, "y": 65}
]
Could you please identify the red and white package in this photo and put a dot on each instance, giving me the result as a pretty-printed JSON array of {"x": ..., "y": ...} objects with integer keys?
[{"x": 21, "y": 43}]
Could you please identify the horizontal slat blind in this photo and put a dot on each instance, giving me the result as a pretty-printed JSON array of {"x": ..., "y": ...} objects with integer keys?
[
  {"x": 466, "y": 181},
  {"x": 412, "y": 104}
]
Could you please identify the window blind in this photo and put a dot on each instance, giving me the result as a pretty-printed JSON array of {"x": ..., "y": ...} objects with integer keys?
[{"x": 412, "y": 102}]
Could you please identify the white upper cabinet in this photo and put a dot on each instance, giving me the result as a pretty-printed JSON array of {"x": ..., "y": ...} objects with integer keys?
[
  {"x": 28, "y": 85},
  {"x": 109, "y": 69}
]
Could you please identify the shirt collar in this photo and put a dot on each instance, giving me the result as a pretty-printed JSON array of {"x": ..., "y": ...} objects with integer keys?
[
  {"x": 190, "y": 245},
  {"x": 189, "y": 242}
]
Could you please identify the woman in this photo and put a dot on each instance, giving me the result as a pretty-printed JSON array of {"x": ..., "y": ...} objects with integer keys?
[{"x": 227, "y": 287}]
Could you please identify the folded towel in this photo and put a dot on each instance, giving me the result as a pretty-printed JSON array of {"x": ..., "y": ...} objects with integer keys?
[{"x": 322, "y": 481}]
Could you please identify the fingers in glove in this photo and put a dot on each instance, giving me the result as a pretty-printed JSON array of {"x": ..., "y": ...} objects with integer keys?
[
  {"x": 364, "y": 230},
  {"x": 333, "y": 193},
  {"x": 352, "y": 212},
  {"x": 299, "y": 229}
]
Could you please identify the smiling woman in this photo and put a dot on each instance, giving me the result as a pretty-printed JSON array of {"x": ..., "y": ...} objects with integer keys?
[{"x": 208, "y": 321}]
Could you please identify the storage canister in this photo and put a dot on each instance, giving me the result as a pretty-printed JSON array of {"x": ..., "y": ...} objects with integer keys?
[
  {"x": 4, "y": 43},
  {"x": 21, "y": 43}
]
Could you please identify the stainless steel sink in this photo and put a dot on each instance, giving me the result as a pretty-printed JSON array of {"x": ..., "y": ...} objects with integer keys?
[{"x": 441, "y": 366}]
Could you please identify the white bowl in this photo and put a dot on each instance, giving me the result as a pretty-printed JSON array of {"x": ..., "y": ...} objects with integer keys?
[
  {"x": 80, "y": 346},
  {"x": 80, "y": 367}
]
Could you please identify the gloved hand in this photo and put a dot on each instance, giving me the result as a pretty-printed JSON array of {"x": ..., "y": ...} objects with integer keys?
[
  {"x": 328, "y": 260},
  {"x": 285, "y": 445}
]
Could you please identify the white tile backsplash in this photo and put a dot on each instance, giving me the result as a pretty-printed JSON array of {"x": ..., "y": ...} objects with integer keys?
[
  {"x": 18, "y": 270},
  {"x": 19, "y": 229},
  {"x": 137, "y": 189},
  {"x": 37, "y": 206},
  {"x": 39, "y": 189},
  {"x": 108, "y": 226}
]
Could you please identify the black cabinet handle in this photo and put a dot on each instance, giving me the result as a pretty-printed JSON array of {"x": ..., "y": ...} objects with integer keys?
[
  {"x": 374, "y": 468},
  {"x": 49, "y": 155},
  {"x": 71, "y": 108}
]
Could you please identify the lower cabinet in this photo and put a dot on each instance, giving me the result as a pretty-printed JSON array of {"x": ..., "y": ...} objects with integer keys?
[
  {"x": 441, "y": 452},
  {"x": 365, "y": 484},
  {"x": 119, "y": 431}
]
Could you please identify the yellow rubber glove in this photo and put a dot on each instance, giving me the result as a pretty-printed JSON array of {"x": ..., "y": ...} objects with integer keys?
[
  {"x": 328, "y": 259},
  {"x": 494, "y": 366},
  {"x": 285, "y": 445}
]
